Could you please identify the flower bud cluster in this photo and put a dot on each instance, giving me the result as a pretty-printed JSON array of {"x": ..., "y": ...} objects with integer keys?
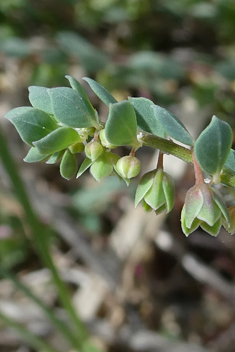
[
  {"x": 156, "y": 191},
  {"x": 104, "y": 163},
  {"x": 204, "y": 207}
]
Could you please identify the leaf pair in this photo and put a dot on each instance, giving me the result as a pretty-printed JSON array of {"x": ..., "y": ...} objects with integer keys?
[
  {"x": 70, "y": 107},
  {"x": 146, "y": 115},
  {"x": 67, "y": 106}
]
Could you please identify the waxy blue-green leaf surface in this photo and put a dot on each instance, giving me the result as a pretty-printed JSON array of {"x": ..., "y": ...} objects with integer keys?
[
  {"x": 213, "y": 146},
  {"x": 34, "y": 156},
  {"x": 68, "y": 165},
  {"x": 121, "y": 126},
  {"x": 40, "y": 99},
  {"x": 100, "y": 91},
  {"x": 71, "y": 108},
  {"x": 78, "y": 87},
  {"x": 172, "y": 125},
  {"x": 31, "y": 124},
  {"x": 230, "y": 162},
  {"x": 57, "y": 140},
  {"x": 90, "y": 57},
  {"x": 146, "y": 119}
]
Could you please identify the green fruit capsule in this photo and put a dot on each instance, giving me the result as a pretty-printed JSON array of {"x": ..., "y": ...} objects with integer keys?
[
  {"x": 93, "y": 150},
  {"x": 68, "y": 165},
  {"x": 128, "y": 166}
]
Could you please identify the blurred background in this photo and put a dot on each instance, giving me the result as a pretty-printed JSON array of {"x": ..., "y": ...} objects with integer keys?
[{"x": 137, "y": 282}]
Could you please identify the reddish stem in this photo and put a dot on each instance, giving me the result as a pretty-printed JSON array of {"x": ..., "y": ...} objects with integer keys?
[
  {"x": 132, "y": 153},
  {"x": 160, "y": 161},
  {"x": 198, "y": 171}
]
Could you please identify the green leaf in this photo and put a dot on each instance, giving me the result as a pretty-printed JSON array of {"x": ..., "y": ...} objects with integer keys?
[
  {"x": 71, "y": 108},
  {"x": 172, "y": 125},
  {"x": 193, "y": 205},
  {"x": 213, "y": 145},
  {"x": 230, "y": 162},
  {"x": 40, "y": 99},
  {"x": 145, "y": 184},
  {"x": 15, "y": 47},
  {"x": 194, "y": 225},
  {"x": 55, "y": 157},
  {"x": 68, "y": 165},
  {"x": 169, "y": 191},
  {"x": 78, "y": 87},
  {"x": 85, "y": 165},
  {"x": 155, "y": 196},
  {"x": 102, "y": 167},
  {"x": 34, "y": 156},
  {"x": 146, "y": 119},
  {"x": 57, "y": 140},
  {"x": 91, "y": 58},
  {"x": 212, "y": 230},
  {"x": 121, "y": 126},
  {"x": 100, "y": 91},
  {"x": 31, "y": 124}
]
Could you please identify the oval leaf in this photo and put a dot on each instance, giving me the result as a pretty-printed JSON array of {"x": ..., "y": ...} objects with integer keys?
[
  {"x": 146, "y": 119},
  {"x": 57, "y": 140},
  {"x": 213, "y": 145},
  {"x": 34, "y": 156},
  {"x": 172, "y": 125},
  {"x": 68, "y": 165},
  {"x": 31, "y": 124},
  {"x": 121, "y": 126},
  {"x": 71, "y": 108},
  {"x": 102, "y": 167},
  {"x": 40, "y": 99},
  {"x": 100, "y": 91}
]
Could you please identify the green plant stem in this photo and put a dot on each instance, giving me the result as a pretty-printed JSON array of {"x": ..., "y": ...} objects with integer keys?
[
  {"x": 168, "y": 147},
  {"x": 48, "y": 312},
  {"x": 37, "y": 343},
  {"x": 40, "y": 240}
]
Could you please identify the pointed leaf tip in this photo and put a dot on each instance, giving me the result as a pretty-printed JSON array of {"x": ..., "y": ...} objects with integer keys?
[{"x": 213, "y": 145}]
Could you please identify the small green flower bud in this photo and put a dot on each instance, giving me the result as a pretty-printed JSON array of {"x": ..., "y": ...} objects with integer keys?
[
  {"x": 76, "y": 148},
  {"x": 93, "y": 150},
  {"x": 156, "y": 191},
  {"x": 128, "y": 166},
  {"x": 230, "y": 227},
  {"x": 104, "y": 141},
  {"x": 204, "y": 207}
]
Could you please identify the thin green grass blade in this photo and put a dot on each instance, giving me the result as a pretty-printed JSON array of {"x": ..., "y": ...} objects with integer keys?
[
  {"x": 61, "y": 327},
  {"x": 33, "y": 340},
  {"x": 40, "y": 240}
]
